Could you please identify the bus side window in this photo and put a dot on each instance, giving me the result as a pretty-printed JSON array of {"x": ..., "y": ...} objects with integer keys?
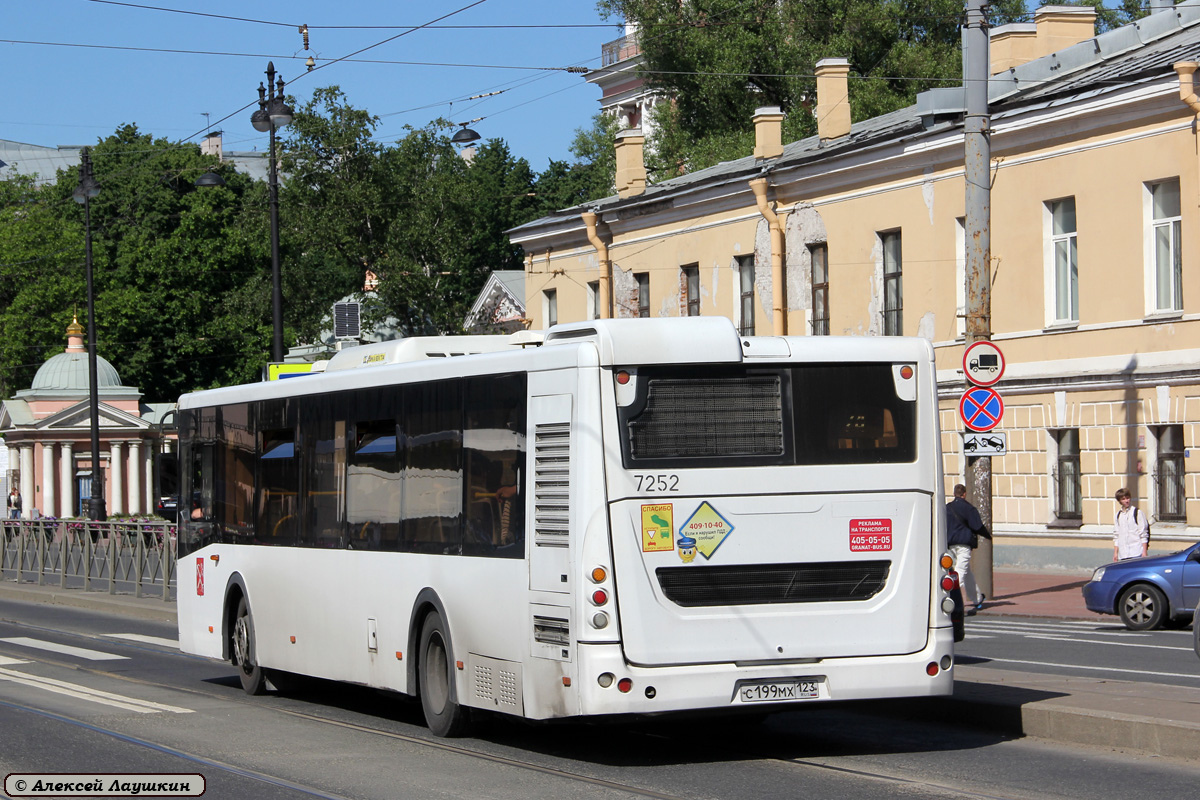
[
  {"x": 374, "y": 486},
  {"x": 279, "y": 481},
  {"x": 494, "y": 458}
]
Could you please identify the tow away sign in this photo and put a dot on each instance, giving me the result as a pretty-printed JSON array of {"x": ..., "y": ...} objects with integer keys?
[{"x": 985, "y": 444}]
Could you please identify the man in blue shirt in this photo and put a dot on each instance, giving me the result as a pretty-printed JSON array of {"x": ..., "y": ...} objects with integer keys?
[{"x": 962, "y": 523}]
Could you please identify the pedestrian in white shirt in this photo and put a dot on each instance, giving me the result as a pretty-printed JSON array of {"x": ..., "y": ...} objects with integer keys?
[{"x": 1131, "y": 529}]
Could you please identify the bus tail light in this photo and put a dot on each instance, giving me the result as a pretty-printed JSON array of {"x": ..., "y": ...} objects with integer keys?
[
  {"x": 605, "y": 679},
  {"x": 948, "y": 605},
  {"x": 599, "y": 574},
  {"x": 625, "y": 685},
  {"x": 947, "y": 561},
  {"x": 948, "y": 583},
  {"x": 600, "y": 620},
  {"x": 932, "y": 669},
  {"x": 599, "y": 597}
]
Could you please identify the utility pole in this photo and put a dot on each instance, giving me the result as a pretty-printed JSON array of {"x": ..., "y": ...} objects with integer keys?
[{"x": 976, "y": 70}]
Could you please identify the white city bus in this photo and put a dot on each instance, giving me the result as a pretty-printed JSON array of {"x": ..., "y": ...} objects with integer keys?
[{"x": 638, "y": 516}]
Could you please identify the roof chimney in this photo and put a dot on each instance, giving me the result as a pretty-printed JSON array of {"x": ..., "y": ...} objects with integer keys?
[
  {"x": 631, "y": 170},
  {"x": 833, "y": 98},
  {"x": 1059, "y": 27},
  {"x": 211, "y": 146},
  {"x": 1012, "y": 45},
  {"x": 768, "y": 132}
]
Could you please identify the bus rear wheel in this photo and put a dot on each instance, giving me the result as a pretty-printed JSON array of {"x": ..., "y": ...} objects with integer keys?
[
  {"x": 253, "y": 679},
  {"x": 443, "y": 715}
]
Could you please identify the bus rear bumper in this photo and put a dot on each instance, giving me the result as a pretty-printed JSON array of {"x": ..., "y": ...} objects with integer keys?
[{"x": 771, "y": 685}]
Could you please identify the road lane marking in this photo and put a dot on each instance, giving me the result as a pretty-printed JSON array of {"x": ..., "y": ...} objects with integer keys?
[
  {"x": 65, "y": 649},
  {"x": 1194, "y": 676},
  {"x": 1139, "y": 645},
  {"x": 137, "y": 637},
  {"x": 5, "y": 661},
  {"x": 94, "y": 695}
]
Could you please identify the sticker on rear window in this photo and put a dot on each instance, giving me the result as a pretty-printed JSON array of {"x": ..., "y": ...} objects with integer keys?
[
  {"x": 658, "y": 522},
  {"x": 870, "y": 535}
]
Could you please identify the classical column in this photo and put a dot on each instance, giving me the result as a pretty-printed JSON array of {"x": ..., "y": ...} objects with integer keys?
[
  {"x": 66, "y": 475},
  {"x": 135, "y": 476},
  {"x": 150, "y": 490},
  {"x": 47, "y": 504},
  {"x": 116, "y": 500},
  {"x": 27, "y": 483}
]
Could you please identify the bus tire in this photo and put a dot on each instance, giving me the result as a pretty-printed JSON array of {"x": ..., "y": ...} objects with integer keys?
[
  {"x": 254, "y": 681},
  {"x": 443, "y": 715}
]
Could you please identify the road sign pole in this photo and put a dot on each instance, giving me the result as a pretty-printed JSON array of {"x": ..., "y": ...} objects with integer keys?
[{"x": 977, "y": 174}]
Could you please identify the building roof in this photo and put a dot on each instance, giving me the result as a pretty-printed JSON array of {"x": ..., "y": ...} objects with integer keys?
[
  {"x": 1111, "y": 61},
  {"x": 45, "y": 162}
]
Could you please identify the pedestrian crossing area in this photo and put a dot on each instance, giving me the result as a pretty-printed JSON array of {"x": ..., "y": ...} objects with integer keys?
[{"x": 23, "y": 666}]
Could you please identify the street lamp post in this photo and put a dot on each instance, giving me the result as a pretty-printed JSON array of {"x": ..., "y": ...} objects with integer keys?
[
  {"x": 87, "y": 189},
  {"x": 273, "y": 113}
]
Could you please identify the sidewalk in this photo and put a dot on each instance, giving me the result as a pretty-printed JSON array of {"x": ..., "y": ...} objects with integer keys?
[{"x": 1129, "y": 715}]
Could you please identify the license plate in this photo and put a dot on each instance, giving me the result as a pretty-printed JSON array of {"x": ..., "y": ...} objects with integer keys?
[{"x": 780, "y": 691}]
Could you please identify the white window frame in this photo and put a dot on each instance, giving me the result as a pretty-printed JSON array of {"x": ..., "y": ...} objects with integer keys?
[
  {"x": 960, "y": 277},
  {"x": 549, "y": 308},
  {"x": 593, "y": 299},
  {"x": 741, "y": 265},
  {"x": 1150, "y": 227},
  {"x": 1050, "y": 239}
]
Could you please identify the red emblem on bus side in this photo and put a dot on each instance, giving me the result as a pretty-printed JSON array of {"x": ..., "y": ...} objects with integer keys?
[{"x": 199, "y": 577}]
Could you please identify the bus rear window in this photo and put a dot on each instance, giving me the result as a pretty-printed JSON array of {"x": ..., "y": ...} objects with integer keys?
[{"x": 811, "y": 414}]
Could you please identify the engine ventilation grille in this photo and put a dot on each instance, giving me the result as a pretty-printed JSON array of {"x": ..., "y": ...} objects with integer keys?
[
  {"x": 757, "y": 584},
  {"x": 551, "y": 630},
  {"x": 716, "y": 416},
  {"x": 551, "y": 484}
]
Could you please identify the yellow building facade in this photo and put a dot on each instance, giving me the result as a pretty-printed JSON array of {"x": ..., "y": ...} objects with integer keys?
[{"x": 1095, "y": 262}]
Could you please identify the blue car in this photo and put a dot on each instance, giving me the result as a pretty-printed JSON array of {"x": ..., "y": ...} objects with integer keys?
[{"x": 1148, "y": 593}]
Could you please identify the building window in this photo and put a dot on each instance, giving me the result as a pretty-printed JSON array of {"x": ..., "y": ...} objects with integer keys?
[
  {"x": 1171, "y": 497},
  {"x": 1070, "y": 485},
  {"x": 593, "y": 290},
  {"x": 820, "y": 289},
  {"x": 691, "y": 289},
  {"x": 745, "y": 277},
  {"x": 960, "y": 277},
  {"x": 1166, "y": 237},
  {"x": 550, "y": 307},
  {"x": 893, "y": 307},
  {"x": 1065, "y": 258},
  {"x": 643, "y": 286}
]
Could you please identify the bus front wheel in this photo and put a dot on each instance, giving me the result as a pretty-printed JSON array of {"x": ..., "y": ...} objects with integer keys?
[
  {"x": 253, "y": 679},
  {"x": 444, "y": 716}
]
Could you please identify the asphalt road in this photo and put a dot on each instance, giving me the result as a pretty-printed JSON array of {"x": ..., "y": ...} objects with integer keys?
[
  {"x": 1099, "y": 649},
  {"x": 87, "y": 692}
]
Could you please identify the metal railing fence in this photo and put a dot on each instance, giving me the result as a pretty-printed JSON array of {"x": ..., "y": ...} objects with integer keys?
[{"x": 136, "y": 556}]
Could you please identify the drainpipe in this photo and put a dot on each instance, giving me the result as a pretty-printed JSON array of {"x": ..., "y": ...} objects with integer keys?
[
  {"x": 775, "y": 224},
  {"x": 589, "y": 219},
  {"x": 1187, "y": 93}
]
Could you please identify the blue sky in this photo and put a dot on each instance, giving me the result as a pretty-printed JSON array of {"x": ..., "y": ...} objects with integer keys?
[{"x": 74, "y": 88}]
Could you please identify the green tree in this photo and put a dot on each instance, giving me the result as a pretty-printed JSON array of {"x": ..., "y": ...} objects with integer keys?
[{"x": 721, "y": 59}]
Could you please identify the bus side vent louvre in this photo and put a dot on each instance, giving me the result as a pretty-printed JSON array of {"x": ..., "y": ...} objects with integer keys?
[
  {"x": 757, "y": 584},
  {"x": 551, "y": 630},
  {"x": 551, "y": 479},
  {"x": 496, "y": 684}
]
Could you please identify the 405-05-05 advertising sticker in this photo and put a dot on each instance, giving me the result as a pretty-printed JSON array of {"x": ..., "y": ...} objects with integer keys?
[{"x": 702, "y": 533}]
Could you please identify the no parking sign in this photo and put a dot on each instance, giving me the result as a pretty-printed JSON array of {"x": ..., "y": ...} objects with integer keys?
[{"x": 981, "y": 408}]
